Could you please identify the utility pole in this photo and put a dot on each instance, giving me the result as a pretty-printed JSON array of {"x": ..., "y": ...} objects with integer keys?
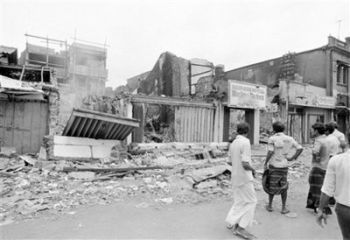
[{"x": 339, "y": 23}]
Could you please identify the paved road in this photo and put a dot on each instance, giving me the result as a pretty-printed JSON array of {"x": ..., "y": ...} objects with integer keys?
[{"x": 203, "y": 221}]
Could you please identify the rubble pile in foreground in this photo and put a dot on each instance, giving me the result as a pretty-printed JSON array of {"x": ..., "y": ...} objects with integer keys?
[{"x": 165, "y": 174}]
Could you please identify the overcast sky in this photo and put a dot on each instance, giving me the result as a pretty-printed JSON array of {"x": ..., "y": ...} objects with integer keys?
[{"x": 230, "y": 32}]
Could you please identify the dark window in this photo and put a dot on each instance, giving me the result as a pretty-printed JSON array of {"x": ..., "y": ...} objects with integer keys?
[{"x": 342, "y": 73}]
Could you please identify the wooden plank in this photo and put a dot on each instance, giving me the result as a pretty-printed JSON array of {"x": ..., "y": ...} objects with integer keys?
[
  {"x": 65, "y": 140},
  {"x": 115, "y": 126},
  {"x": 68, "y": 125},
  {"x": 75, "y": 125},
  {"x": 138, "y": 113},
  {"x": 17, "y": 124},
  {"x": 87, "y": 127},
  {"x": 117, "y": 131},
  {"x": 98, "y": 127},
  {"x": 124, "y": 133},
  {"x": 173, "y": 101},
  {"x": 27, "y": 124},
  {"x": 72, "y": 169},
  {"x": 109, "y": 128},
  {"x": 91, "y": 130},
  {"x": 81, "y": 127},
  {"x": 176, "y": 123},
  {"x": 44, "y": 123},
  {"x": 8, "y": 124}
]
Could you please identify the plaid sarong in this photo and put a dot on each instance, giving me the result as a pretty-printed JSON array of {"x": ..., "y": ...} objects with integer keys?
[
  {"x": 316, "y": 178},
  {"x": 277, "y": 180}
]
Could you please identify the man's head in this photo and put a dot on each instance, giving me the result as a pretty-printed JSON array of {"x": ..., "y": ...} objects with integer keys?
[
  {"x": 329, "y": 128},
  {"x": 242, "y": 128},
  {"x": 318, "y": 129},
  {"x": 278, "y": 127},
  {"x": 335, "y": 124}
]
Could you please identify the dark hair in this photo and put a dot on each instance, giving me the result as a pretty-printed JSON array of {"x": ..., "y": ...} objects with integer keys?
[
  {"x": 329, "y": 127},
  {"x": 278, "y": 127},
  {"x": 319, "y": 127},
  {"x": 242, "y": 128},
  {"x": 335, "y": 124}
]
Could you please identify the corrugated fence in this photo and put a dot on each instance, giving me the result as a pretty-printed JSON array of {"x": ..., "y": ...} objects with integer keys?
[{"x": 194, "y": 124}]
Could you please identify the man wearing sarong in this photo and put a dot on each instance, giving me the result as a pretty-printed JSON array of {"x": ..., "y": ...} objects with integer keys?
[
  {"x": 320, "y": 158},
  {"x": 280, "y": 147},
  {"x": 242, "y": 211},
  {"x": 336, "y": 183}
]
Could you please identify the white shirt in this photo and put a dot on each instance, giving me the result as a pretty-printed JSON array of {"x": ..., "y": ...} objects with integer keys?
[
  {"x": 281, "y": 145},
  {"x": 333, "y": 145},
  {"x": 339, "y": 135},
  {"x": 240, "y": 151},
  {"x": 337, "y": 180}
]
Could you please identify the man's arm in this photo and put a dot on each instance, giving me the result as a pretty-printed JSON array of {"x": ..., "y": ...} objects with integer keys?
[
  {"x": 246, "y": 157},
  {"x": 296, "y": 154},
  {"x": 268, "y": 157},
  {"x": 324, "y": 199},
  {"x": 270, "y": 151},
  {"x": 327, "y": 191},
  {"x": 316, "y": 151},
  {"x": 247, "y": 167}
]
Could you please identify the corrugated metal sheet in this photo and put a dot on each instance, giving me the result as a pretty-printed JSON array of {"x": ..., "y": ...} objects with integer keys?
[
  {"x": 194, "y": 124},
  {"x": 92, "y": 124}
]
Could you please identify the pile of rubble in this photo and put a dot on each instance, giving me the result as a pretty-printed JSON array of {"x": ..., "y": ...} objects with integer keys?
[{"x": 157, "y": 174}]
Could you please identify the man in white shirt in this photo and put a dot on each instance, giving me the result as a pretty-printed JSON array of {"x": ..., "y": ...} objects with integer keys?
[
  {"x": 332, "y": 141},
  {"x": 241, "y": 214},
  {"x": 340, "y": 136},
  {"x": 337, "y": 184}
]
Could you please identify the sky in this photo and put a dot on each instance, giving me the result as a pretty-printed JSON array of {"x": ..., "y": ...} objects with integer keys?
[{"x": 234, "y": 33}]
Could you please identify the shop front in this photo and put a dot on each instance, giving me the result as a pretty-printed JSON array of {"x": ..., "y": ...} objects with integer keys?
[
  {"x": 244, "y": 103},
  {"x": 306, "y": 105}
]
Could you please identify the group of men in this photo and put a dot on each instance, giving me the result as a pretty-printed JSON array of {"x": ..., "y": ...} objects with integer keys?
[{"x": 329, "y": 176}]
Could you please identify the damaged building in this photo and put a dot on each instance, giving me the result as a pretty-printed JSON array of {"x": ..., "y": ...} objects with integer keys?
[
  {"x": 39, "y": 90},
  {"x": 188, "y": 101},
  {"x": 304, "y": 87},
  {"x": 80, "y": 68}
]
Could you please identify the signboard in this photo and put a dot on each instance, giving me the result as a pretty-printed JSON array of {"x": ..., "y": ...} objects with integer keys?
[{"x": 246, "y": 95}]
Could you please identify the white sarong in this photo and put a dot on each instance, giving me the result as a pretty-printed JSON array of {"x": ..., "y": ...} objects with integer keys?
[{"x": 243, "y": 208}]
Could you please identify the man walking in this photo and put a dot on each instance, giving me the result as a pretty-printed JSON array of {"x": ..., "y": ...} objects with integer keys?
[
  {"x": 279, "y": 149},
  {"x": 319, "y": 162},
  {"x": 336, "y": 183},
  {"x": 242, "y": 211}
]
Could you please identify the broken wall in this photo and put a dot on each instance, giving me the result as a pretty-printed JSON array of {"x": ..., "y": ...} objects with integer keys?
[{"x": 169, "y": 77}]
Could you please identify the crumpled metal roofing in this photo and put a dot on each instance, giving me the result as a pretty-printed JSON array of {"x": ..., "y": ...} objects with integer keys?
[{"x": 99, "y": 125}]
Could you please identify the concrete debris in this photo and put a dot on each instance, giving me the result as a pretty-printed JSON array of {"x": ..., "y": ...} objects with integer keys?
[{"x": 31, "y": 186}]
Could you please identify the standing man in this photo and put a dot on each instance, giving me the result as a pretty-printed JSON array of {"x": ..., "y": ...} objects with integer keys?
[
  {"x": 340, "y": 136},
  {"x": 332, "y": 141},
  {"x": 279, "y": 149},
  {"x": 336, "y": 183},
  {"x": 319, "y": 162},
  {"x": 242, "y": 211}
]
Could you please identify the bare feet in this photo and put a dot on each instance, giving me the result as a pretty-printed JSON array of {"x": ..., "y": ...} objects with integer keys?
[{"x": 285, "y": 211}]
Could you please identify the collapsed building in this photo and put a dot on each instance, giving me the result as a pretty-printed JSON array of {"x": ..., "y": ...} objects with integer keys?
[{"x": 182, "y": 100}]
